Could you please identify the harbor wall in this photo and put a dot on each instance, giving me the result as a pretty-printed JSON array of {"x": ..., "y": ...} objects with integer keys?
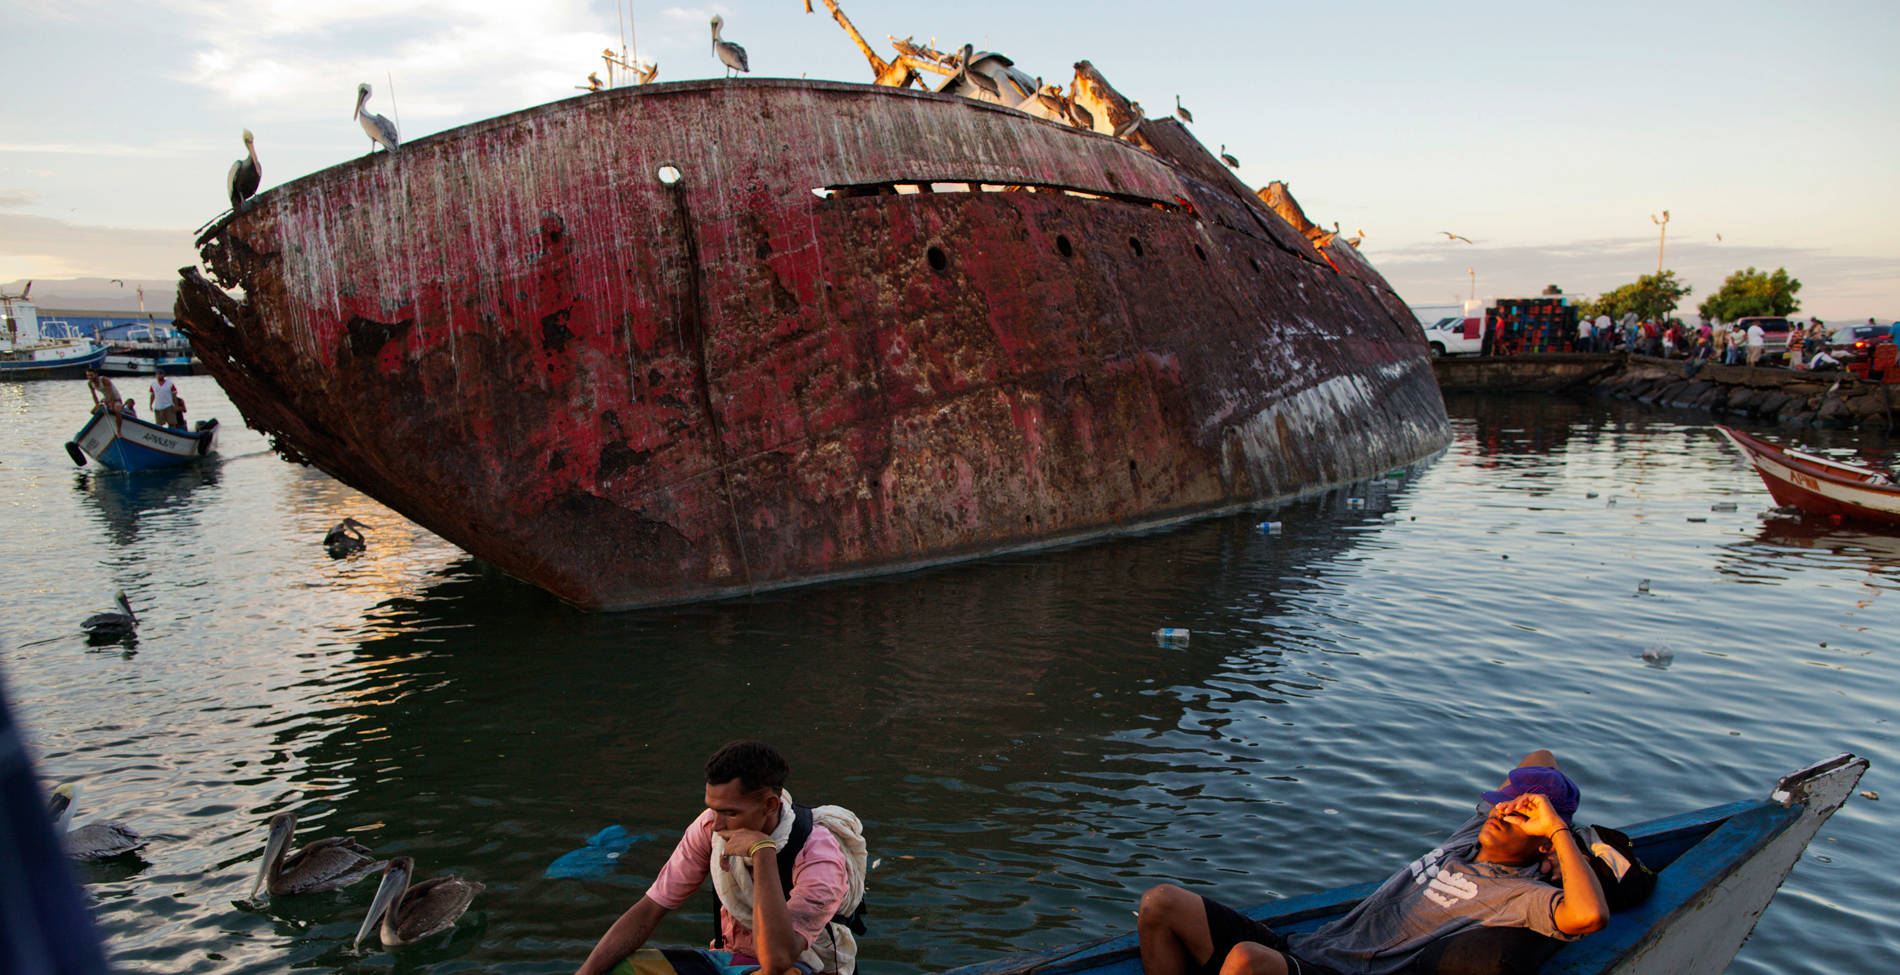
[{"x": 1765, "y": 393}]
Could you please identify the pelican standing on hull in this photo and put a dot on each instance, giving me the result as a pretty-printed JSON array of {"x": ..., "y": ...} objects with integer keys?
[
  {"x": 381, "y": 131},
  {"x": 242, "y": 182},
  {"x": 412, "y": 913},
  {"x": 332, "y": 863},
  {"x": 730, "y": 54},
  {"x": 93, "y": 841}
]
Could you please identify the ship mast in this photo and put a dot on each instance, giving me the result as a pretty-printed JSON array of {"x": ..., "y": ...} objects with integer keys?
[{"x": 894, "y": 74}]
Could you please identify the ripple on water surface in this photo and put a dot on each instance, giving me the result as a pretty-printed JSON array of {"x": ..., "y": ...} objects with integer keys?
[{"x": 1027, "y": 759}]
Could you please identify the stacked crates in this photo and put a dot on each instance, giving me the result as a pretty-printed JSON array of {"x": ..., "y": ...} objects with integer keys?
[{"x": 1532, "y": 326}]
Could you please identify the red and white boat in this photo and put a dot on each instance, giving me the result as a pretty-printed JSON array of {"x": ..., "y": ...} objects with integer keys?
[{"x": 1818, "y": 485}]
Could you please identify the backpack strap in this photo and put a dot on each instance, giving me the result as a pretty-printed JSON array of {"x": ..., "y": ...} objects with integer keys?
[{"x": 787, "y": 859}]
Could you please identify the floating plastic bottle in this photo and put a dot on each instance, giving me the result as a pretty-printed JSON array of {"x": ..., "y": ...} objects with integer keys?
[
  {"x": 1270, "y": 527},
  {"x": 1172, "y": 636},
  {"x": 1643, "y": 586},
  {"x": 1355, "y": 503},
  {"x": 1722, "y": 506}
]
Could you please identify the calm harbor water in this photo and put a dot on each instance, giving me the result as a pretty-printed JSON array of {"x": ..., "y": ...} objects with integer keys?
[{"x": 1025, "y": 758}]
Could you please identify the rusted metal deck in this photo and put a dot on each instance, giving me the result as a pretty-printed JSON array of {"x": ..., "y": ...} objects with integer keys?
[{"x": 786, "y": 365}]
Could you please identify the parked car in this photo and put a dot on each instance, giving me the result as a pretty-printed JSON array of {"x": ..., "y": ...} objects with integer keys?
[
  {"x": 1855, "y": 343},
  {"x": 1455, "y": 335}
]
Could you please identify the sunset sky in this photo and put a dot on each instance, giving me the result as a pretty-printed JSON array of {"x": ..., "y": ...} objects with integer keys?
[{"x": 1548, "y": 134}]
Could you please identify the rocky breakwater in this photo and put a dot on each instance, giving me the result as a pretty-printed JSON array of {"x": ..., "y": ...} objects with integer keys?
[{"x": 1773, "y": 394}]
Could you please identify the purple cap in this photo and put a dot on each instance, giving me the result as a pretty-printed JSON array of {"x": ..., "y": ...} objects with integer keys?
[{"x": 1544, "y": 781}]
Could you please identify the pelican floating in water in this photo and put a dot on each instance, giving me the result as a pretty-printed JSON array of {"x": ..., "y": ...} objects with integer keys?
[
  {"x": 331, "y": 863},
  {"x": 380, "y": 130},
  {"x": 1228, "y": 159},
  {"x": 1186, "y": 116},
  {"x": 412, "y": 913},
  {"x": 730, "y": 54},
  {"x": 345, "y": 538},
  {"x": 241, "y": 184},
  {"x": 112, "y": 627},
  {"x": 93, "y": 841}
]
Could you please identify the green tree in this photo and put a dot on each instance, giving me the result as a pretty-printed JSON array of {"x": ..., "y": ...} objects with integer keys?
[
  {"x": 1752, "y": 292},
  {"x": 1650, "y": 296}
]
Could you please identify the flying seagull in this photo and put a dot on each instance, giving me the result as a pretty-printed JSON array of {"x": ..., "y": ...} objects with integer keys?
[{"x": 1453, "y": 236}]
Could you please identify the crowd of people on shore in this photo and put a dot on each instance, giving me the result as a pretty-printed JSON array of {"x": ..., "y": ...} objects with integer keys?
[{"x": 1806, "y": 345}]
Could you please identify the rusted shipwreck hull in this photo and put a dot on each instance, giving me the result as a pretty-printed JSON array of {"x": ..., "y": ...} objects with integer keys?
[{"x": 783, "y": 366}]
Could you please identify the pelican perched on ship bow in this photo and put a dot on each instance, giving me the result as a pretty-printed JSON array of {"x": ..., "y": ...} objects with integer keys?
[
  {"x": 241, "y": 182},
  {"x": 331, "y": 863},
  {"x": 730, "y": 54},
  {"x": 412, "y": 913},
  {"x": 380, "y": 130},
  {"x": 93, "y": 841}
]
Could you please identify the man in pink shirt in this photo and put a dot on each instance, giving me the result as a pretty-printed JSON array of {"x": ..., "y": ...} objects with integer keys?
[{"x": 748, "y": 815}]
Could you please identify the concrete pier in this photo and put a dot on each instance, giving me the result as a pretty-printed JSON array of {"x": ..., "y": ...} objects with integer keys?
[{"x": 1835, "y": 399}]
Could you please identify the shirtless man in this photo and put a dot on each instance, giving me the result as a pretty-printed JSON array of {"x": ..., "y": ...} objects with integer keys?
[
  {"x": 1487, "y": 874},
  {"x": 104, "y": 395}
]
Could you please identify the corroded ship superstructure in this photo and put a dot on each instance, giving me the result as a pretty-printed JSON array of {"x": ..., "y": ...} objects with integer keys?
[{"x": 668, "y": 342}]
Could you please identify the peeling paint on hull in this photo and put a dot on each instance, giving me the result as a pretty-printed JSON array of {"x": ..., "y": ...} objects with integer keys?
[{"x": 630, "y": 392}]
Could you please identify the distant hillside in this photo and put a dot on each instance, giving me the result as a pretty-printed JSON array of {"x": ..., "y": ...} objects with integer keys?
[{"x": 98, "y": 294}]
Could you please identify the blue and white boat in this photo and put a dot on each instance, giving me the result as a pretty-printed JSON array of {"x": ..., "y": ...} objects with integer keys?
[
  {"x": 130, "y": 444},
  {"x": 1716, "y": 870},
  {"x": 28, "y": 352}
]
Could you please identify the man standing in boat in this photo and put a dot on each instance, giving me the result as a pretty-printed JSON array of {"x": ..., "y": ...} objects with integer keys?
[
  {"x": 162, "y": 396},
  {"x": 104, "y": 395},
  {"x": 1488, "y": 874},
  {"x": 748, "y": 814}
]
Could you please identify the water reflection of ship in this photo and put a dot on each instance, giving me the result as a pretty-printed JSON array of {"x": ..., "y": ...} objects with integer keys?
[
  {"x": 124, "y": 499},
  {"x": 1780, "y": 532},
  {"x": 485, "y": 697},
  {"x": 1518, "y": 432}
]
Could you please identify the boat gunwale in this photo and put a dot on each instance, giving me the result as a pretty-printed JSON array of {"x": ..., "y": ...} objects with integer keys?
[{"x": 1809, "y": 464}]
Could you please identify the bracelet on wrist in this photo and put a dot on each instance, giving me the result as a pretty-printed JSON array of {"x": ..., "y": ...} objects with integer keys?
[{"x": 760, "y": 845}]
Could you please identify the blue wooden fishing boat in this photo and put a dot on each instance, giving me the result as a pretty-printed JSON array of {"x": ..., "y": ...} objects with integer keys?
[
  {"x": 131, "y": 444},
  {"x": 1717, "y": 869}
]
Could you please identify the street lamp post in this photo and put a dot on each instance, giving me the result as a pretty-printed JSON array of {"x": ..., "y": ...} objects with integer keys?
[{"x": 1661, "y": 237}]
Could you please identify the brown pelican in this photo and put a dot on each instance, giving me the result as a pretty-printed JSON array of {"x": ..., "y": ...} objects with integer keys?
[
  {"x": 93, "y": 841},
  {"x": 410, "y": 914},
  {"x": 242, "y": 183},
  {"x": 1133, "y": 122},
  {"x": 380, "y": 130},
  {"x": 1186, "y": 116},
  {"x": 1228, "y": 159},
  {"x": 331, "y": 863},
  {"x": 112, "y": 627},
  {"x": 345, "y": 538},
  {"x": 732, "y": 55},
  {"x": 963, "y": 76}
]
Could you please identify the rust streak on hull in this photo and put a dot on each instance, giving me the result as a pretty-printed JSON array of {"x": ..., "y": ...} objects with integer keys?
[{"x": 632, "y": 393}]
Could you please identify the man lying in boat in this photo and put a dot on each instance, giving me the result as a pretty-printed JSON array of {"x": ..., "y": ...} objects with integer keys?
[{"x": 1488, "y": 874}]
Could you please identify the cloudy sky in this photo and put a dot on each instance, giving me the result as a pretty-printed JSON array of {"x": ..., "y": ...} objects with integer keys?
[{"x": 1549, "y": 134}]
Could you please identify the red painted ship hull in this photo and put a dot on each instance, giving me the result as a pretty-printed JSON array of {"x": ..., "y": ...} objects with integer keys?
[{"x": 780, "y": 369}]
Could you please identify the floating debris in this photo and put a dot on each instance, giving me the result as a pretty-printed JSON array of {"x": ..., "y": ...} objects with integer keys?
[
  {"x": 1270, "y": 527},
  {"x": 1723, "y": 506},
  {"x": 1172, "y": 636},
  {"x": 1590, "y": 494},
  {"x": 1658, "y": 655},
  {"x": 1870, "y": 795},
  {"x": 1355, "y": 503},
  {"x": 1643, "y": 586},
  {"x": 1698, "y": 519},
  {"x": 1397, "y": 474}
]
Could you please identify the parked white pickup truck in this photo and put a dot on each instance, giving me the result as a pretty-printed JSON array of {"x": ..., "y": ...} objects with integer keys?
[{"x": 1456, "y": 335}]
